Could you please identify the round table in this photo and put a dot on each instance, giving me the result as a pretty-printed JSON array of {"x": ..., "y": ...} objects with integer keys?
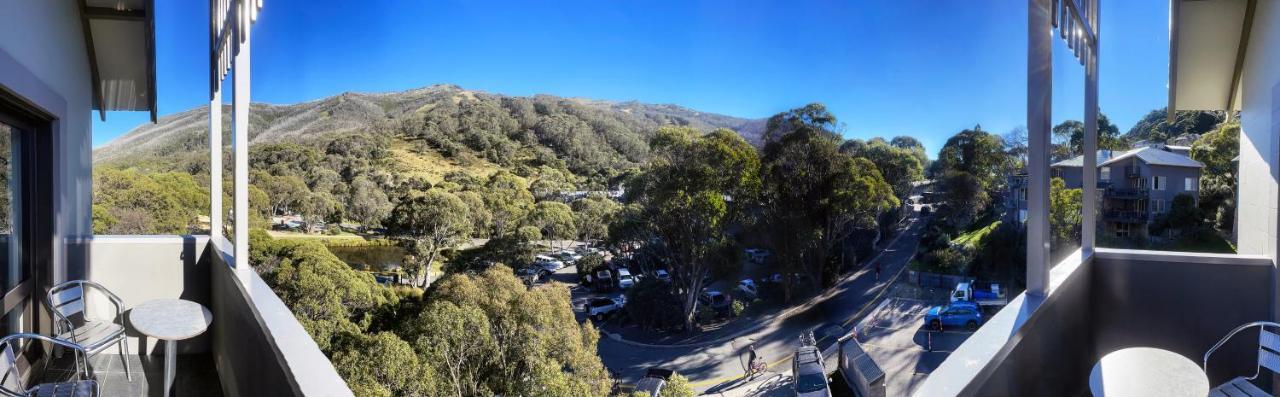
[
  {"x": 170, "y": 320},
  {"x": 1145, "y": 371}
]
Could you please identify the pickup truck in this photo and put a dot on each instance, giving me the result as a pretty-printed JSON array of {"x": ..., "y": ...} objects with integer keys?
[{"x": 973, "y": 292}]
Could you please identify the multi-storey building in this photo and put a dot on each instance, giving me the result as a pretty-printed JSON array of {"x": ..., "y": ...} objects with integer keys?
[{"x": 1136, "y": 186}]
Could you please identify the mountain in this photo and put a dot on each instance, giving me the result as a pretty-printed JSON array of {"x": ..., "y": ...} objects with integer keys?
[{"x": 463, "y": 127}]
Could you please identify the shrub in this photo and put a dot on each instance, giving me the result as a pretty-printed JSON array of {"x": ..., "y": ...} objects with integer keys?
[
  {"x": 738, "y": 307},
  {"x": 589, "y": 264}
]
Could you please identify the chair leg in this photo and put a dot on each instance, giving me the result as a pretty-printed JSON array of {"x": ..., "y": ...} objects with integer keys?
[{"x": 124, "y": 349}]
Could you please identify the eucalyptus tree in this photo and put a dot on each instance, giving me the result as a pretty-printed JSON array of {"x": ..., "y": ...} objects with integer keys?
[
  {"x": 429, "y": 223},
  {"x": 694, "y": 189}
]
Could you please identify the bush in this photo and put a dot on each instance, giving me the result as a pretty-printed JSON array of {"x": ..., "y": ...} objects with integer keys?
[
  {"x": 589, "y": 264},
  {"x": 949, "y": 260},
  {"x": 705, "y": 314},
  {"x": 738, "y": 307}
]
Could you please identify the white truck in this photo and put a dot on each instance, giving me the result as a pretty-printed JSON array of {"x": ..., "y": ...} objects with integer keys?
[{"x": 983, "y": 295}]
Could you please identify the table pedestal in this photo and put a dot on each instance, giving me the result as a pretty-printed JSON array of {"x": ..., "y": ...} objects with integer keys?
[{"x": 170, "y": 361}]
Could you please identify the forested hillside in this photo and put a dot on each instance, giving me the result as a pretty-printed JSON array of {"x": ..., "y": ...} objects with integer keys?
[{"x": 350, "y": 151}]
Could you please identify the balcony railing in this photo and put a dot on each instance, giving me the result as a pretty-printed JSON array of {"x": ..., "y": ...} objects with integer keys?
[
  {"x": 1125, "y": 193},
  {"x": 254, "y": 346},
  {"x": 1125, "y": 216},
  {"x": 1132, "y": 172},
  {"x": 1100, "y": 303}
]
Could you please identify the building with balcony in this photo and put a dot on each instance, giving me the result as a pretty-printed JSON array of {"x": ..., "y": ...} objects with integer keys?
[
  {"x": 62, "y": 62},
  {"x": 1223, "y": 55},
  {"x": 1136, "y": 186}
]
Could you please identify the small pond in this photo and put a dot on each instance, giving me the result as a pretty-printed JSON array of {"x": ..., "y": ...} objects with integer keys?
[{"x": 377, "y": 258}]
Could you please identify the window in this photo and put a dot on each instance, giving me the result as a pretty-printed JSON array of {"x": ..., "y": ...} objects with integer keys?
[
  {"x": 1022, "y": 215},
  {"x": 1122, "y": 230},
  {"x": 1191, "y": 184},
  {"x": 1158, "y": 182},
  {"x": 1157, "y": 206},
  {"x": 1106, "y": 174}
]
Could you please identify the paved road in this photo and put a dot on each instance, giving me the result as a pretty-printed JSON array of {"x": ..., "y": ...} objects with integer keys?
[{"x": 719, "y": 367}]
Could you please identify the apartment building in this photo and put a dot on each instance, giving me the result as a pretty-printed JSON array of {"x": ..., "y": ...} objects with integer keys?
[{"x": 1135, "y": 186}]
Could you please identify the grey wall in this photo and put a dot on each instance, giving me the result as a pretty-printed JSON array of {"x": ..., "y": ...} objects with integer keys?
[
  {"x": 1045, "y": 357},
  {"x": 43, "y": 60},
  {"x": 1176, "y": 176},
  {"x": 142, "y": 268},
  {"x": 1071, "y": 176}
]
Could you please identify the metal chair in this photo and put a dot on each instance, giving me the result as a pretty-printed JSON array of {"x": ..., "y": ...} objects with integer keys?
[
  {"x": 11, "y": 383},
  {"x": 72, "y": 322},
  {"x": 1268, "y": 357}
]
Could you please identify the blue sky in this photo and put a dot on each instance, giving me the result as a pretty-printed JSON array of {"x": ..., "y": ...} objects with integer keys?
[{"x": 924, "y": 68}]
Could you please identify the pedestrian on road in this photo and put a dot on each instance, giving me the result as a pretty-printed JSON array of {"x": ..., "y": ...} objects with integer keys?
[{"x": 877, "y": 271}]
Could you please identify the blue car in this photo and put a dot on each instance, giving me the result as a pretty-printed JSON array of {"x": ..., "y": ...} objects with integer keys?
[{"x": 955, "y": 315}]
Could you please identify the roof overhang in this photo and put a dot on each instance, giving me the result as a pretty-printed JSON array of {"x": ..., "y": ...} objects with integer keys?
[
  {"x": 1207, "y": 43},
  {"x": 119, "y": 37}
]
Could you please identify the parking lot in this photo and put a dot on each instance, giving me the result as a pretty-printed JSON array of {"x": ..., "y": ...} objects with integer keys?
[{"x": 894, "y": 336}]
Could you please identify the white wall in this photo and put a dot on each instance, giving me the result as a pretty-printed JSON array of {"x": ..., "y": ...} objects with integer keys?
[{"x": 45, "y": 39}]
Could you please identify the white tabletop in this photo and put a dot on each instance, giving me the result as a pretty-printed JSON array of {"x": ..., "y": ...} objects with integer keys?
[
  {"x": 170, "y": 319},
  {"x": 1145, "y": 371}
]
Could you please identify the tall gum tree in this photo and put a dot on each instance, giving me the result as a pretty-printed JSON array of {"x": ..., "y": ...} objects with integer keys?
[{"x": 694, "y": 189}]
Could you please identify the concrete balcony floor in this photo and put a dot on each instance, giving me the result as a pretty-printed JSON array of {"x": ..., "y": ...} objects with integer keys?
[{"x": 194, "y": 376}]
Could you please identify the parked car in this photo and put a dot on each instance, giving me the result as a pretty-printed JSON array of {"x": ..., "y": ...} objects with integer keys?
[
  {"x": 625, "y": 280},
  {"x": 549, "y": 263},
  {"x": 533, "y": 273},
  {"x": 568, "y": 256},
  {"x": 981, "y": 294},
  {"x": 926, "y": 210},
  {"x": 604, "y": 280},
  {"x": 715, "y": 300},
  {"x": 757, "y": 255},
  {"x": 808, "y": 373},
  {"x": 653, "y": 382},
  {"x": 748, "y": 286},
  {"x": 662, "y": 275},
  {"x": 956, "y": 314},
  {"x": 599, "y": 308}
]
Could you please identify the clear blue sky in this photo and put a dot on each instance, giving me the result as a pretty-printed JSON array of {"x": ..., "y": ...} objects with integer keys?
[{"x": 924, "y": 68}]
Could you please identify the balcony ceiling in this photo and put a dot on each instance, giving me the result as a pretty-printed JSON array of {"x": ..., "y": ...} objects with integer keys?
[
  {"x": 120, "y": 41},
  {"x": 1205, "y": 45}
]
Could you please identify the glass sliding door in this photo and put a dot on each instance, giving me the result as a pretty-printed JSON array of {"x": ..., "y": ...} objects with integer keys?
[{"x": 15, "y": 277}]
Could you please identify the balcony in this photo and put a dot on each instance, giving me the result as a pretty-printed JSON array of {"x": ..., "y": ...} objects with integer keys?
[
  {"x": 1132, "y": 172},
  {"x": 1125, "y": 216},
  {"x": 1125, "y": 193},
  {"x": 1107, "y": 301},
  {"x": 255, "y": 345}
]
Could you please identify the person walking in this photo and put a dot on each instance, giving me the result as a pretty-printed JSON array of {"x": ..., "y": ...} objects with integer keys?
[{"x": 877, "y": 271}]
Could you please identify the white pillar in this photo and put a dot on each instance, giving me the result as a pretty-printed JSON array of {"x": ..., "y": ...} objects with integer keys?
[
  {"x": 1039, "y": 110},
  {"x": 240, "y": 143},
  {"x": 215, "y": 167},
  {"x": 1089, "y": 206}
]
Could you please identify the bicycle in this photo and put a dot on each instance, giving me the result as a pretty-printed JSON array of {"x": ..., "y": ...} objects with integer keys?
[{"x": 757, "y": 367}]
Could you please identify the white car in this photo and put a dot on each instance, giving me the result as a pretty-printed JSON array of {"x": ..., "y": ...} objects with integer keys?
[
  {"x": 548, "y": 263},
  {"x": 598, "y": 308},
  {"x": 625, "y": 279},
  {"x": 662, "y": 275},
  {"x": 748, "y": 286}
]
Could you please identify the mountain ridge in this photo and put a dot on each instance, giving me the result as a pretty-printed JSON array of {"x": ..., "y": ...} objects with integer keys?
[{"x": 352, "y": 112}]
